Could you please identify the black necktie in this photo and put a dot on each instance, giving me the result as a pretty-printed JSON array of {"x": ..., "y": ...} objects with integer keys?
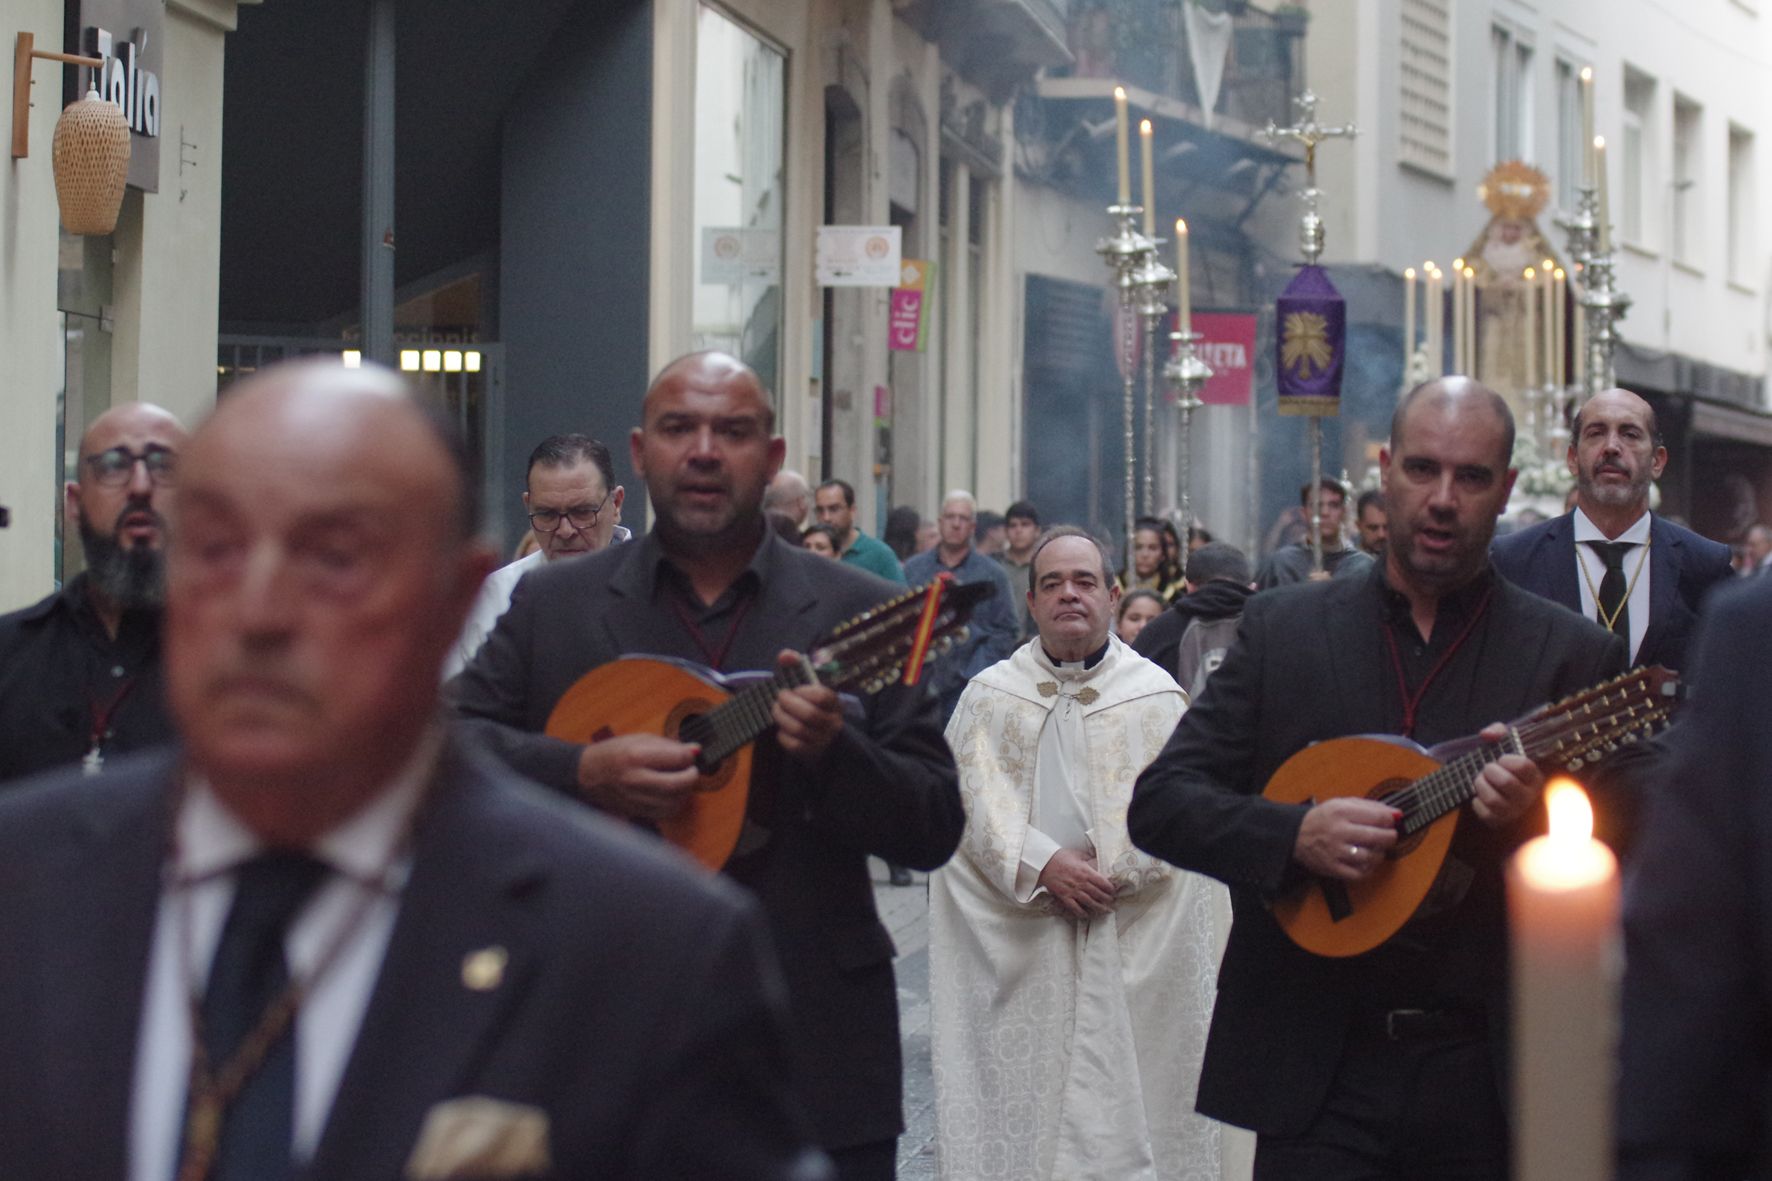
[
  {"x": 246, "y": 978},
  {"x": 1612, "y": 587}
]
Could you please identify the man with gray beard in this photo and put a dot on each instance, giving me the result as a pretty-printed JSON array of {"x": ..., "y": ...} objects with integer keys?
[{"x": 80, "y": 670}]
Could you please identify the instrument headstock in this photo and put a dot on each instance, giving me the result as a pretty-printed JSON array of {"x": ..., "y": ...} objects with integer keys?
[
  {"x": 868, "y": 652},
  {"x": 1589, "y": 726}
]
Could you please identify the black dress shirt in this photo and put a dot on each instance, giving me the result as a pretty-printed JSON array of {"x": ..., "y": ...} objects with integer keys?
[{"x": 62, "y": 676}]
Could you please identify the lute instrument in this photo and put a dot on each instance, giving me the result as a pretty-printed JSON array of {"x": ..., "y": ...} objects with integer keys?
[
  {"x": 725, "y": 714},
  {"x": 1429, "y": 787}
]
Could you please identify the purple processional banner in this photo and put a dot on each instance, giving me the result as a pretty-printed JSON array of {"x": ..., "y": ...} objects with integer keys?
[{"x": 1310, "y": 340}]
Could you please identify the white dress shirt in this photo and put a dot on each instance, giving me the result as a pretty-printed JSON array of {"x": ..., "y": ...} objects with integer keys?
[
  {"x": 1591, "y": 568},
  {"x": 199, "y": 890}
]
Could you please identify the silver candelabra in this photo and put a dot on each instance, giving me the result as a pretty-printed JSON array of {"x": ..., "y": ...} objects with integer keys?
[{"x": 1126, "y": 253}]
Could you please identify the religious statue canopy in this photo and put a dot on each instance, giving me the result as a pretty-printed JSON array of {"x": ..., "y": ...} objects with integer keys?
[{"x": 1514, "y": 268}]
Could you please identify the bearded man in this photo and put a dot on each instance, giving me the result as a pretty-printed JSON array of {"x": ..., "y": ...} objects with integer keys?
[
  {"x": 1609, "y": 557},
  {"x": 1071, "y": 976},
  {"x": 80, "y": 669}
]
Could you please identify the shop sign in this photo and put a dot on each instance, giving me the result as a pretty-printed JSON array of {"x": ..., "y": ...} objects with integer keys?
[
  {"x": 858, "y": 256},
  {"x": 127, "y": 35},
  {"x": 1229, "y": 348},
  {"x": 907, "y": 330},
  {"x": 731, "y": 255}
]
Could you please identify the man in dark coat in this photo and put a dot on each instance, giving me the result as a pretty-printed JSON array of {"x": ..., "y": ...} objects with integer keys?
[
  {"x": 1609, "y": 557},
  {"x": 80, "y": 669},
  {"x": 322, "y": 939},
  {"x": 1387, "y": 1064},
  {"x": 712, "y": 586},
  {"x": 1218, "y": 586}
]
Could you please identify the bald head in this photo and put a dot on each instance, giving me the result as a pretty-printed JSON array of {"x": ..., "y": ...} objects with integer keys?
[
  {"x": 319, "y": 571},
  {"x": 322, "y": 412},
  {"x": 1619, "y": 403},
  {"x": 710, "y": 371},
  {"x": 142, "y": 419},
  {"x": 1462, "y": 399}
]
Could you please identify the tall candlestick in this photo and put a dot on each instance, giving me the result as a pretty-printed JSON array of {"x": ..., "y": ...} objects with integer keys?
[
  {"x": 1184, "y": 293},
  {"x": 1587, "y": 126},
  {"x": 1605, "y": 246},
  {"x": 1546, "y": 286},
  {"x": 1562, "y": 895},
  {"x": 1531, "y": 330},
  {"x": 1559, "y": 318},
  {"x": 1125, "y": 162},
  {"x": 1150, "y": 191},
  {"x": 1408, "y": 319},
  {"x": 1579, "y": 352}
]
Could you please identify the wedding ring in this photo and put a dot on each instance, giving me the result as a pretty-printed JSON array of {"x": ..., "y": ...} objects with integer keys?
[{"x": 1356, "y": 851}]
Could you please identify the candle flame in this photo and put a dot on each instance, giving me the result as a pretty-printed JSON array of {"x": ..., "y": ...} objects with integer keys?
[
  {"x": 1408, "y": 272},
  {"x": 1530, "y": 274},
  {"x": 1181, "y": 225},
  {"x": 1599, "y": 143},
  {"x": 1470, "y": 272},
  {"x": 1144, "y": 127},
  {"x": 1571, "y": 816},
  {"x": 1561, "y": 274},
  {"x": 1549, "y": 265},
  {"x": 1587, "y": 73},
  {"x": 1457, "y": 265},
  {"x": 1120, "y": 93}
]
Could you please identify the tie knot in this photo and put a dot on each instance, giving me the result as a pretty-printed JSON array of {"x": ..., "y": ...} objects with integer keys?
[
  {"x": 270, "y": 888},
  {"x": 1612, "y": 552}
]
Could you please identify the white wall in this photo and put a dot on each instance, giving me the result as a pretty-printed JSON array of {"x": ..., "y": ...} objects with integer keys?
[{"x": 30, "y": 333}]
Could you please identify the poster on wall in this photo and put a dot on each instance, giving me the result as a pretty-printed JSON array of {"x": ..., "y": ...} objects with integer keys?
[
  {"x": 858, "y": 256},
  {"x": 1229, "y": 347},
  {"x": 907, "y": 328},
  {"x": 737, "y": 254}
]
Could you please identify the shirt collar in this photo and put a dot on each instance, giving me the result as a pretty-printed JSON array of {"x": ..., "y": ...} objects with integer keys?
[
  {"x": 1586, "y": 530},
  {"x": 212, "y": 840},
  {"x": 1455, "y": 605},
  {"x": 655, "y": 561}
]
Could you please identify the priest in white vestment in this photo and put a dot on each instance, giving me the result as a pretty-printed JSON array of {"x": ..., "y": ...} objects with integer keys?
[{"x": 1071, "y": 976}]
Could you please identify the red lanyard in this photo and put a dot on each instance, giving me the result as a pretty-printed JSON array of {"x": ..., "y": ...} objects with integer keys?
[
  {"x": 1412, "y": 701},
  {"x": 716, "y": 659},
  {"x": 102, "y": 714}
]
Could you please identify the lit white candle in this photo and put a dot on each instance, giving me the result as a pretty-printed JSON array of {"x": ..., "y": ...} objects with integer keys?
[
  {"x": 1149, "y": 178},
  {"x": 1562, "y": 895},
  {"x": 1458, "y": 341},
  {"x": 1605, "y": 246},
  {"x": 1470, "y": 327},
  {"x": 1560, "y": 353},
  {"x": 1434, "y": 309},
  {"x": 1587, "y": 126},
  {"x": 1547, "y": 283},
  {"x": 1531, "y": 331},
  {"x": 1408, "y": 318},
  {"x": 1184, "y": 293},
  {"x": 1121, "y": 146},
  {"x": 1580, "y": 334}
]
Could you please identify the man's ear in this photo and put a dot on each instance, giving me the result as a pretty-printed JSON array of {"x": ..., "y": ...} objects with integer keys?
[{"x": 1384, "y": 469}]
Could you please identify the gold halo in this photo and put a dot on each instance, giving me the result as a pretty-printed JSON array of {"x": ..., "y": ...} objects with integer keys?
[{"x": 1515, "y": 190}]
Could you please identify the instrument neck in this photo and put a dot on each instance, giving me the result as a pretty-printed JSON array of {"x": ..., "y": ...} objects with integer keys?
[{"x": 749, "y": 712}]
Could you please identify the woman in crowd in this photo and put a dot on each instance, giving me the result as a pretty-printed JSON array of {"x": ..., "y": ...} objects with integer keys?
[{"x": 1137, "y": 608}]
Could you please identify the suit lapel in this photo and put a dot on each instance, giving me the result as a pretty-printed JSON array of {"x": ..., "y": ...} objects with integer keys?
[
  {"x": 430, "y": 1017},
  {"x": 92, "y": 967},
  {"x": 1664, "y": 584},
  {"x": 1557, "y": 562}
]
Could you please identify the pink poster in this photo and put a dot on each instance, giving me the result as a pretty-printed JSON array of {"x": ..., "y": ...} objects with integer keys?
[{"x": 1229, "y": 348}]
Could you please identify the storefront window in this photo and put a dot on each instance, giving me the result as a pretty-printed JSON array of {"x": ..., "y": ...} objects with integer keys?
[
  {"x": 740, "y": 135},
  {"x": 83, "y": 293}
]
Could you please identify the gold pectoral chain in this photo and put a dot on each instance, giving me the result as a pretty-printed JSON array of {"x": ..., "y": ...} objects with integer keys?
[
  {"x": 1599, "y": 607},
  {"x": 1086, "y": 695}
]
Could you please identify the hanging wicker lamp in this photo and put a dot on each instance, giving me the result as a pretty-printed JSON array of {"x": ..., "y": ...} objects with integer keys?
[{"x": 91, "y": 156}]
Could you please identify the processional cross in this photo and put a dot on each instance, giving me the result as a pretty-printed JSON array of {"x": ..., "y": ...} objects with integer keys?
[{"x": 1310, "y": 133}]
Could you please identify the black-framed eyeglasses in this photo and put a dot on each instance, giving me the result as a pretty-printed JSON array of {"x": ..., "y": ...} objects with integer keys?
[
  {"x": 582, "y": 516},
  {"x": 117, "y": 465}
]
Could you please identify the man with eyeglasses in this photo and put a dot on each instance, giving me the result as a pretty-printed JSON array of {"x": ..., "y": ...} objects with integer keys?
[
  {"x": 80, "y": 670},
  {"x": 574, "y": 507}
]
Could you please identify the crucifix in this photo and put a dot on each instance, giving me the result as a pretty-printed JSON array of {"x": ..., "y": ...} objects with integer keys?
[{"x": 1310, "y": 133}]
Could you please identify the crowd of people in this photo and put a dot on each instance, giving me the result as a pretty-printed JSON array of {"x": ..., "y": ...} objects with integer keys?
[{"x": 300, "y": 873}]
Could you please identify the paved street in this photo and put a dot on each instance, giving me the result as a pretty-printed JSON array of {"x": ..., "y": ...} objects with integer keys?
[{"x": 905, "y": 911}]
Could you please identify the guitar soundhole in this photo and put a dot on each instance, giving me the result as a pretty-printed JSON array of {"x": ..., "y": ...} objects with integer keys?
[
  {"x": 688, "y": 723},
  {"x": 1405, "y": 844}
]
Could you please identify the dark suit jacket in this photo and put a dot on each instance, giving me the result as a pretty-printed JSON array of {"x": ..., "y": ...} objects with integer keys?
[
  {"x": 639, "y": 1008},
  {"x": 1682, "y": 567},
  {"x": 1310, "y": 663},
  {"x": 1695, "y": 1100},
  {"x": 887, "y": 786}
]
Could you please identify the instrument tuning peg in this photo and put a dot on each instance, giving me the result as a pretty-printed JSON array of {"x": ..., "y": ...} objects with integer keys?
[{"x": 1576, "y": 763}]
